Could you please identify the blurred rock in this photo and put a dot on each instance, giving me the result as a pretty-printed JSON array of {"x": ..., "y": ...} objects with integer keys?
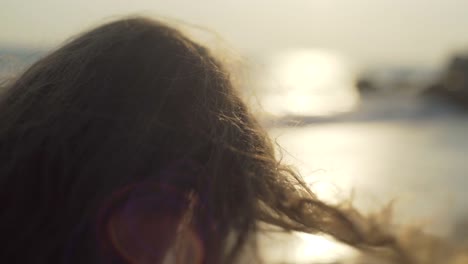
[
  {"x": 366, "y": 87},
  {"x": 453, "y": 84}
]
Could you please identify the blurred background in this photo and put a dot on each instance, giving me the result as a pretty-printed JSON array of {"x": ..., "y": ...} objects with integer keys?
[{"x": 366, "y": 97}]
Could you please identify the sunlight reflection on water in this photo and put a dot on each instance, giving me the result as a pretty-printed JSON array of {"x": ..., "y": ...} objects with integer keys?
[
  {"x": 307, "y": 82},
  {"x": 314, "y": 83},
  {"x": 301, "y": 248}
]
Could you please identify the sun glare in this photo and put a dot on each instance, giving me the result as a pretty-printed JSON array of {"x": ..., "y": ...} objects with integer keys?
[
  {"x": 322, "y": 249},
  {"x": 308, "y": 82}
]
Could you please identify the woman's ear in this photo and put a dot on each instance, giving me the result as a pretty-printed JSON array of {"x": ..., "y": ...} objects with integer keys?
[
  {"x": 145, "y": 225},
  {"x": 142, "y": 235}
]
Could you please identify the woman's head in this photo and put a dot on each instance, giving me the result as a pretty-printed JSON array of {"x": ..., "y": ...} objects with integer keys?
[
  {"x": 135, "y": 111},
  {"x": 119, "y": 106}
]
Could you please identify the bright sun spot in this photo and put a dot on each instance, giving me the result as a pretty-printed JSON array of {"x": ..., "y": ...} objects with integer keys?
[
  {"x": 303, "y": 248},
  {"x": 322, "y": 249},
  {"x": 308, "y": 82}
]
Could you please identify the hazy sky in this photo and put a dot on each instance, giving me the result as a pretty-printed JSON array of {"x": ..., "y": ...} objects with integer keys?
[{"x": 395, "y": 31}]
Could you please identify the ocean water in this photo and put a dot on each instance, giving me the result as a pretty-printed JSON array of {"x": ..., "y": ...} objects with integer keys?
[
  {"x": 412, "y": 156},
  {"x": 423, "y": 165}
]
